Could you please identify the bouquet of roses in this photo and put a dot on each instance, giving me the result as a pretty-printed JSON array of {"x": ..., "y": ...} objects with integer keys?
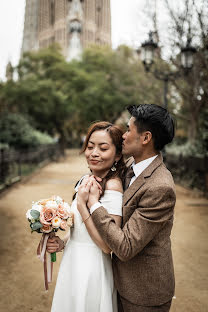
[{"x": 47, "y": 216}]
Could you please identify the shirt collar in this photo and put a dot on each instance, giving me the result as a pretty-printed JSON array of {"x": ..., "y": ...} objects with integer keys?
[{"x": 142, "y": 165}]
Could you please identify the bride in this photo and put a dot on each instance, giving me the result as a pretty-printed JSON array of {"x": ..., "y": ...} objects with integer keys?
[{"x": 85, "y": 279}]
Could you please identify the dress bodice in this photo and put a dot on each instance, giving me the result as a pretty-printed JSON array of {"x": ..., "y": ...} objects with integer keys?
[
  {"x": 111, "y": 201},
  {"x": 79, "y": 232}
]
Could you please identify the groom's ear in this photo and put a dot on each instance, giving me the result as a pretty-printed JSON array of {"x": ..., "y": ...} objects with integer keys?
[{"x": 147, "y": 137}]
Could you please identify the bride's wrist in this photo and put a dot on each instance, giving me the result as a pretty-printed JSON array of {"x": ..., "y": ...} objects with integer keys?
[
  {"x": 87, "y": 216},
  {"x": 81, "y": 204}
]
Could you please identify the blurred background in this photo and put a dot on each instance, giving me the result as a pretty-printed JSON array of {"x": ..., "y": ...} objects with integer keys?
[{"x": 67, "y": 63}]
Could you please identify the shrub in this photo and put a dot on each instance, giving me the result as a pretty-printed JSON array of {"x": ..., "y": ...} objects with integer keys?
[
  {"x": 16, "y": 131},
  {"x": 187, "y": 149}
]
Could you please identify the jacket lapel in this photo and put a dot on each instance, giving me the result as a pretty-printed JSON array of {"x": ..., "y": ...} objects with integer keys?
[
  {"x": 133, "y": 188},
  {"x": 140, "y": 180}
]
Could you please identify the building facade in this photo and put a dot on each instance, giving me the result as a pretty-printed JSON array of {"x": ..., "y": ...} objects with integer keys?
[
  {"x": 48, "y": 21},
  {"x": 30, "y": 35}
]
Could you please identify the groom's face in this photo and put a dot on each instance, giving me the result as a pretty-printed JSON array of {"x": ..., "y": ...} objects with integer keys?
[{"x": 132, "y": 140}]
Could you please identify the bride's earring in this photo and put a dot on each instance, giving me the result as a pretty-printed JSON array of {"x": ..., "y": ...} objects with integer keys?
[{"x": 113, "y": 168}]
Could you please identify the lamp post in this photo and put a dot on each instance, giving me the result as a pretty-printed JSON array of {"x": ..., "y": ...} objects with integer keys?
[{"x": 148, "y": 49}]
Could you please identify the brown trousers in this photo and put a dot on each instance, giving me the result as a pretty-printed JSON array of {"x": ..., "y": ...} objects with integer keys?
[{"x": 126, "y": 306}]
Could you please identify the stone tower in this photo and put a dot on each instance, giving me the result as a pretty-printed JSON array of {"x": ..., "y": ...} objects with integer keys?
[
  {"x": 30, "y": 35},
  {"x": 75, "y": 26},
  {"x": 47, "y": 21}
]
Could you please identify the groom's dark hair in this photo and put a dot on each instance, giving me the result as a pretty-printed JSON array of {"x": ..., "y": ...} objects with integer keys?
[{"x": 157, "y": 120}]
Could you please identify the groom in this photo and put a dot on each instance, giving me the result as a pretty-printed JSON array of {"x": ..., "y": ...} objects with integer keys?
[{"x": 142, "y": 258}]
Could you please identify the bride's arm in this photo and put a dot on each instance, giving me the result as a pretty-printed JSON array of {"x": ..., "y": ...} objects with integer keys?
[{"x": 86, "y": 217}]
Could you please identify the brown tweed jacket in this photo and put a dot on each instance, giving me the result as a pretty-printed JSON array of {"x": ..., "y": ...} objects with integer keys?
[{"x": 142, "y": 258}]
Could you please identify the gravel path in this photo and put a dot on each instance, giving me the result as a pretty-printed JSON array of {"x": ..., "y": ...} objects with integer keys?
[{"x": 21, "y": 273}]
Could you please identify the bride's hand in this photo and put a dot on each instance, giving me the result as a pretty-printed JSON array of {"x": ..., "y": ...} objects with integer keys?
[
  {"x": 54, "y": 244},
  {"x": 94, "y": 194},
  {"x": 83, "y": 191},
  {"x": 93, "y": 178}
]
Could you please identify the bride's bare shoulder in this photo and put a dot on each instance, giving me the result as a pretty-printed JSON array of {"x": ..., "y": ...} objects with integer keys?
[{"x": 114, "y": 184}]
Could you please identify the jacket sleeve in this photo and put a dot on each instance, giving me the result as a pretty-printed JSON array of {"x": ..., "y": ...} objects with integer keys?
[{"x": 154, "y": 210}]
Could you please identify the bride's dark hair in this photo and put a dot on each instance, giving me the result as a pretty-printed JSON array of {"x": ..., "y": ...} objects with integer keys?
[{"x": 116, "y": 134}]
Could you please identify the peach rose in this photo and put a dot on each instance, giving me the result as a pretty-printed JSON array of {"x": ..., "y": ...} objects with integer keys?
[
  {"x": 46, "y": 215},
  {"x": 63, "y": 225},
  {"x": 62, "y": 212},
  {"x": 46, "y": 228},
  {"x": 43, "y": 201}
]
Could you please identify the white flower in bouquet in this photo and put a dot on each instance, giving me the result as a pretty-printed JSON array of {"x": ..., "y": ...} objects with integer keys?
[
  {"x": 28, "y": 215},
  {"x": 51, "y": 204},
  {"x": 67, "y": 207},
  {"x": 58, "y": 199},
  {"x": 37, "y": 207},
  {"x": 56, "y": 222}
]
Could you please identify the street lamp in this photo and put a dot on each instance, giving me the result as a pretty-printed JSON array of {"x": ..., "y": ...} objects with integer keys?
[
  {"x": 187, "y": 56},
  {"x": 148, "y": 49}
]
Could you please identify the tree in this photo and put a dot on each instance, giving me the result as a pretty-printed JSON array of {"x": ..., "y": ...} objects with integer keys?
[
  {"x": 36, "y": 94},
  {"x": 16, "y": 131},
  {"x": 186, "y": 22},
  {"x": 64, "y": 98},
  {"x": 190, "y": 23},
  {"x": 116, "y": 80}
]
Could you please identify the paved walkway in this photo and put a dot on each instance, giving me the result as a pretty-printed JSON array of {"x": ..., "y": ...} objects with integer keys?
[{"x": 21, "y": 272}]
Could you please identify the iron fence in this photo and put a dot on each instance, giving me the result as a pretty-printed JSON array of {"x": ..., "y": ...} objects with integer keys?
[{"x": 15, "y": 164}]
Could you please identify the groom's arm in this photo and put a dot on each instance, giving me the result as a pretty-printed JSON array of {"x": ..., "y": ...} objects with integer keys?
[{"x": 155, "y": 209}]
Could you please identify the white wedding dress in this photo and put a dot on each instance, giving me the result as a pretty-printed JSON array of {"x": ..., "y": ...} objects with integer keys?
[{"x": 85, "y": 280}]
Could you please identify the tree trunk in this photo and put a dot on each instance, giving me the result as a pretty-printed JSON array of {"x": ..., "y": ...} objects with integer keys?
[
  {"x": 193, "y": 127},
  {"x": 62, "y": 141}
]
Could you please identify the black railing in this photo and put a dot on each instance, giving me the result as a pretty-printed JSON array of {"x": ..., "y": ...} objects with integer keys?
[{"x": 15, "y": 164}]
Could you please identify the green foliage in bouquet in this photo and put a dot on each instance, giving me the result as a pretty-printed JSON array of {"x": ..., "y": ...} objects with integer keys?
[{"x": 35, "y": 225}]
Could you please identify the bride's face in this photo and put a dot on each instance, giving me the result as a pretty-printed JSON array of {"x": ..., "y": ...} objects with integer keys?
[{"x": 100, "y": 152}]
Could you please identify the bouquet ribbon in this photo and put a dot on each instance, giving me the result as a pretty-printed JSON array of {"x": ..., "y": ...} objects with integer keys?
[{"x": 47, "y": 264}]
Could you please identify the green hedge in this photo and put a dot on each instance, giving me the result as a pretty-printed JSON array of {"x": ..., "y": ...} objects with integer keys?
[{"x": 16, "y": 131}]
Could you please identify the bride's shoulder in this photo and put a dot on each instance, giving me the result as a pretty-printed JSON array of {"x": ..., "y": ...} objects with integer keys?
[{"x": 114, "y": 184}]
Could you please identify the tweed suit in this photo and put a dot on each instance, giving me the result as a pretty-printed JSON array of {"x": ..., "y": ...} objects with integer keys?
[{"x": 142, "y": 257}]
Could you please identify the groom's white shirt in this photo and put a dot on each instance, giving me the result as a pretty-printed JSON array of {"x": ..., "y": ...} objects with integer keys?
[{"x": 138, "y": 169}]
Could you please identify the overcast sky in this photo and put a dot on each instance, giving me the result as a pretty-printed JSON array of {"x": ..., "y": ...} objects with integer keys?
[{"x": 127, "y": 27}]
